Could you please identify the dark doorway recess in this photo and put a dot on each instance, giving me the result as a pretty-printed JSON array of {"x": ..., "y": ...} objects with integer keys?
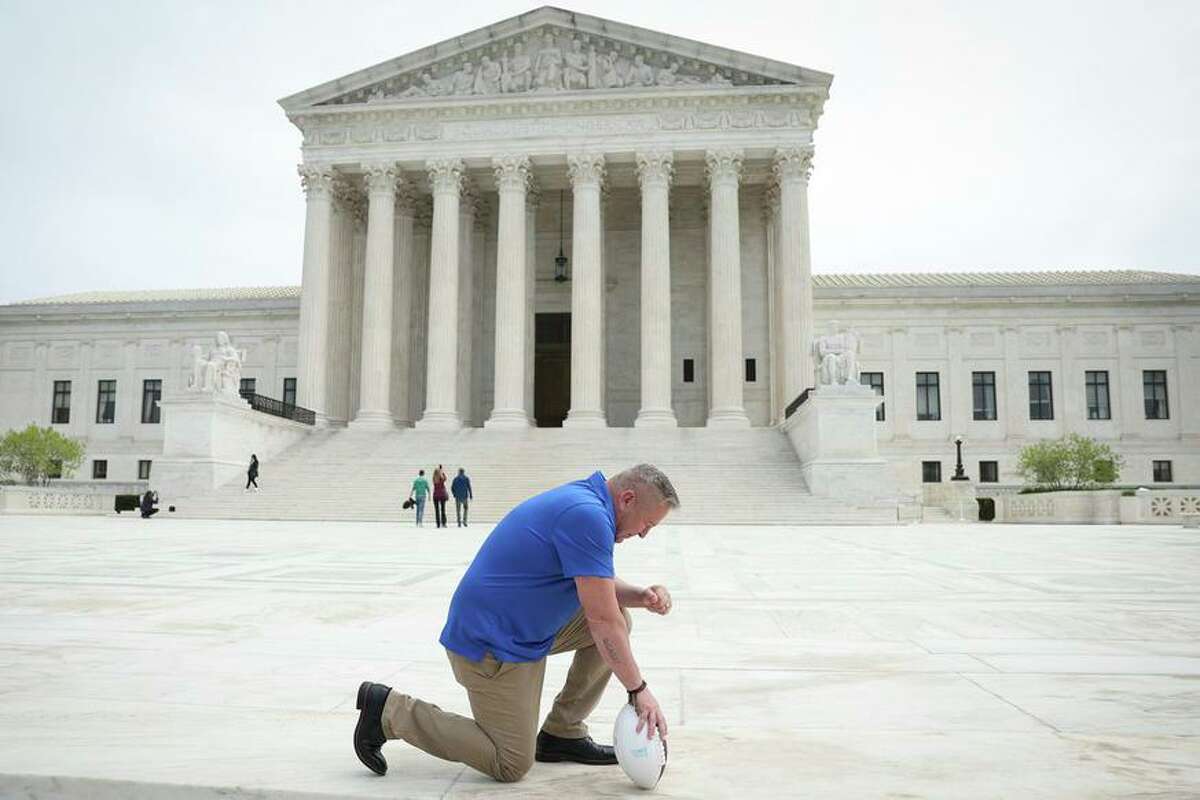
[{"x": 551, "y": 369}]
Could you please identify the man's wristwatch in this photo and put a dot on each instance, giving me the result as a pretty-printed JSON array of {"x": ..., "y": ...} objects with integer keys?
[{"x": 633, "y": 693}]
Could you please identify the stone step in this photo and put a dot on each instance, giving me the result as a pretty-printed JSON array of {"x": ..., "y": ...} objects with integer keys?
[{"x": 723, "y": 477}]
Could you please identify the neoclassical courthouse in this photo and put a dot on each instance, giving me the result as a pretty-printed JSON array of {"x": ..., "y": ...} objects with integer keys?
[{"x": 560, "y": 220}]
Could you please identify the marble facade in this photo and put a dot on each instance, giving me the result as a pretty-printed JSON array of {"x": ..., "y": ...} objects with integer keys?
[
  {"x": 439, "y": 187},
  {"x": 437, "y": 161}
]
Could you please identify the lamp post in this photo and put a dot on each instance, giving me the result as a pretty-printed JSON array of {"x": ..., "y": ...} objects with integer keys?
[{"x": 959, "y": 474}]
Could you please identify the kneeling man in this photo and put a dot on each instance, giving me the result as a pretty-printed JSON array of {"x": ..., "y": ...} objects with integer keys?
[{"x": 542, "y": 583}]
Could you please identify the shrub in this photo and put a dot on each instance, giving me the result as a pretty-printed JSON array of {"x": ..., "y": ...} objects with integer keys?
[
  {"x": 1072, "y": 462},
  {"x": 35, "y": 454}
]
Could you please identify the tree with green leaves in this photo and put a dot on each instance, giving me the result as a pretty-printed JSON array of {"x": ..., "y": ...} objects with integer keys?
[
  {"x": 1072, "y": 462},
  {"x": 35, "y": 454}
]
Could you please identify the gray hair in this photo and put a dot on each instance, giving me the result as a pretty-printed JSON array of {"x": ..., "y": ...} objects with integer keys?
[{"x": 652, "y": 476}]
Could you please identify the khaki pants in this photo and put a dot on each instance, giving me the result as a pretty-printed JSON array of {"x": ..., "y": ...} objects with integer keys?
[{"x": 505, "y": 700}]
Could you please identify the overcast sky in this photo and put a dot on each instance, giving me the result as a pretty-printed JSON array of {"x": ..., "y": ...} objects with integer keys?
[{"x": 143, "y": 146}]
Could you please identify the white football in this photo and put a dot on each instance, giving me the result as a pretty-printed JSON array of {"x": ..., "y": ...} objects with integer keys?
[{"x": 644, "y": 760}]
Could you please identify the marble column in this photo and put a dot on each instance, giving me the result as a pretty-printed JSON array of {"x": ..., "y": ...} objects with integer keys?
[
  {"x": 655, "y": 170},
  {"x": 1015, "y": 410},
  {"x": 375, "y": 373},
  {"x": 402, "y": 305},
  {"x": 725, "y": 291},
  {"x": 509, "y": 407},
  {"x": 1187, "y": 382},
  {"x": 958, "y": 401},
  {"x": 313, "y": 349},
  {"x": 899, "y": 387},
  {"x": 1129, "y": 410},
  {"x": 341, "y": 315},
  {"x": 441, "y": 381},
  {"x": 468, "y": 211},
  {"x": 587, "y": 295},
  {"x": 770, "y": 214},
  {"x": 532, "y": 199},
  {"x": 43, "y": 389},
  {"x": 129, "y": 417},
  {"x": 1069, "y": 393},
  {"x": 792, "y": 167}
]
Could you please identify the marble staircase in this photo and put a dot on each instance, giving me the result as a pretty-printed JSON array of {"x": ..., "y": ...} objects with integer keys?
[{"x": 723, "y": 477}]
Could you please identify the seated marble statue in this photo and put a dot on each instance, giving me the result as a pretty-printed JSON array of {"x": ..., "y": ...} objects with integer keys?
[
  {"x": 836, "y": 356},
  {"x": 220, "y": 371}
]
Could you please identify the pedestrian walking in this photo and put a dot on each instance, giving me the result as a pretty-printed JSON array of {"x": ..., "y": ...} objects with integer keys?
[
  {"x": 252, "y": 473},
  {"x": 542, "y": 583},
  {"x": 440, "y": 496},
  {"x": 418, "y": 493},
  {"x": 463, "y": 495}
]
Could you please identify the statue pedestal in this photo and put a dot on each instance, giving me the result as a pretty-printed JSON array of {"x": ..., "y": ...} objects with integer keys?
[
  {"x": 833, "y": 432},
  {"x": 208, "y": 438}
]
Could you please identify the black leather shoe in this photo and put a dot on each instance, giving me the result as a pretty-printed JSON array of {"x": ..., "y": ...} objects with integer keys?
[
  {"x": 581, "y": 751},
  {"x": 368, "y": 733}
]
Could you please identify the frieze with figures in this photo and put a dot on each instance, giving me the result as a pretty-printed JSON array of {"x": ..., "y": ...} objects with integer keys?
[{"x": 553, "y": 60}]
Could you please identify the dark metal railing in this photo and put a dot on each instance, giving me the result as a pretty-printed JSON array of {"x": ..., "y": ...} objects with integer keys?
[
  {"x": 278, "y": 408},
  {"x": 799, "y": 401}
]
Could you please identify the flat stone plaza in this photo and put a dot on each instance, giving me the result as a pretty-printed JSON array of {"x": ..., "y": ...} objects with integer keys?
[{"x": 197, "y": 659}]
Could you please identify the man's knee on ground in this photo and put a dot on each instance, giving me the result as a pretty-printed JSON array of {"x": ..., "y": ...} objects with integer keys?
[{"x": 512, "y": 768}]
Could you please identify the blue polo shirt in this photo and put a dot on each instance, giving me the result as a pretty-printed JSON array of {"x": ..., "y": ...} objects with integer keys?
[{"x": 520, "y": 589}]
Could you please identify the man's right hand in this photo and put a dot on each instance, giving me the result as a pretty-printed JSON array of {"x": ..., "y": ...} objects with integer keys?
[{"x": 650, "y": 714}]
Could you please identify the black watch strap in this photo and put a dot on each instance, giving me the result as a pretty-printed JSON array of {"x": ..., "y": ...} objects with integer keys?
[{"x": 633, "y": 693}]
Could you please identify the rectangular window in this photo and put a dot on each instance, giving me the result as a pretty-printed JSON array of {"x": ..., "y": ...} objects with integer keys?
[
  {"x": 989, "y": 471},
  {"x": 931, "y": 471},
  {"x": 60, "y": 412},
  {"x": 1041, "y": 396},
  {"x": 1154, "y": 390},
  {"x": 99, "y": 469},
  {"x": 875, "y": 381},
  {"x": 106, "y": 402},
  {"x": 289, "y": 391},
  {"x": 55, "y": 470},
  {"x": 983, "y": 386},
  {"x": 1162, "y": 472},
  {"x": 689, "y": 370},
  {"x": 751, "y": 370},
  {"x": 246, "y": 386},
  {"x": 1095, "y": 386},
  {"x": 929, "y": 398},
  {"x": 143, "y": 470},
  {"x": 151, "y": 394}
]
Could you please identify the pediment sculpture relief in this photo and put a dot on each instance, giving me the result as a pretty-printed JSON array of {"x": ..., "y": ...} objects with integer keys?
[{"x": 553, "y": 60}]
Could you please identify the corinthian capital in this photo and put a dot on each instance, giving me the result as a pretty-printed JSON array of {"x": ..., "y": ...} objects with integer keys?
[
  {"x": 380, "y": 176},
  {"x": 791, "y": 163},
  {"x": 316, "y": 179},
  {"x": 586, "y": 169},
  {"x": 445, "y": 175},
  {"x": 655, "y": 168},
  {"x": 512, "y": 173},
  {"x": 723, "y": 166}
]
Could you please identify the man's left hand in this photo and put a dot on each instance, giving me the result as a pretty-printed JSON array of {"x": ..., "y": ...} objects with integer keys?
[{"x": 656, "y": 598}]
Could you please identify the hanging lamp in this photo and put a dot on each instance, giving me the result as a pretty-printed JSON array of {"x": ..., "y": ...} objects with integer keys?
[{"x": 560, "y": 261}]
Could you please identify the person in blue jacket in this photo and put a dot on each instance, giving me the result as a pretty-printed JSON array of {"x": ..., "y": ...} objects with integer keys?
[{"x": 461, "y": 489}]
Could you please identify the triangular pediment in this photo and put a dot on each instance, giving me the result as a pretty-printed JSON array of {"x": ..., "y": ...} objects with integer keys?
[{"x": 550, "y": 51}]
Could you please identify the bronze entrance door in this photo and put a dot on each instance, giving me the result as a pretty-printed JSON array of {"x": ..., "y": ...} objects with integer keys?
[{"x": 551, "y": 369}]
